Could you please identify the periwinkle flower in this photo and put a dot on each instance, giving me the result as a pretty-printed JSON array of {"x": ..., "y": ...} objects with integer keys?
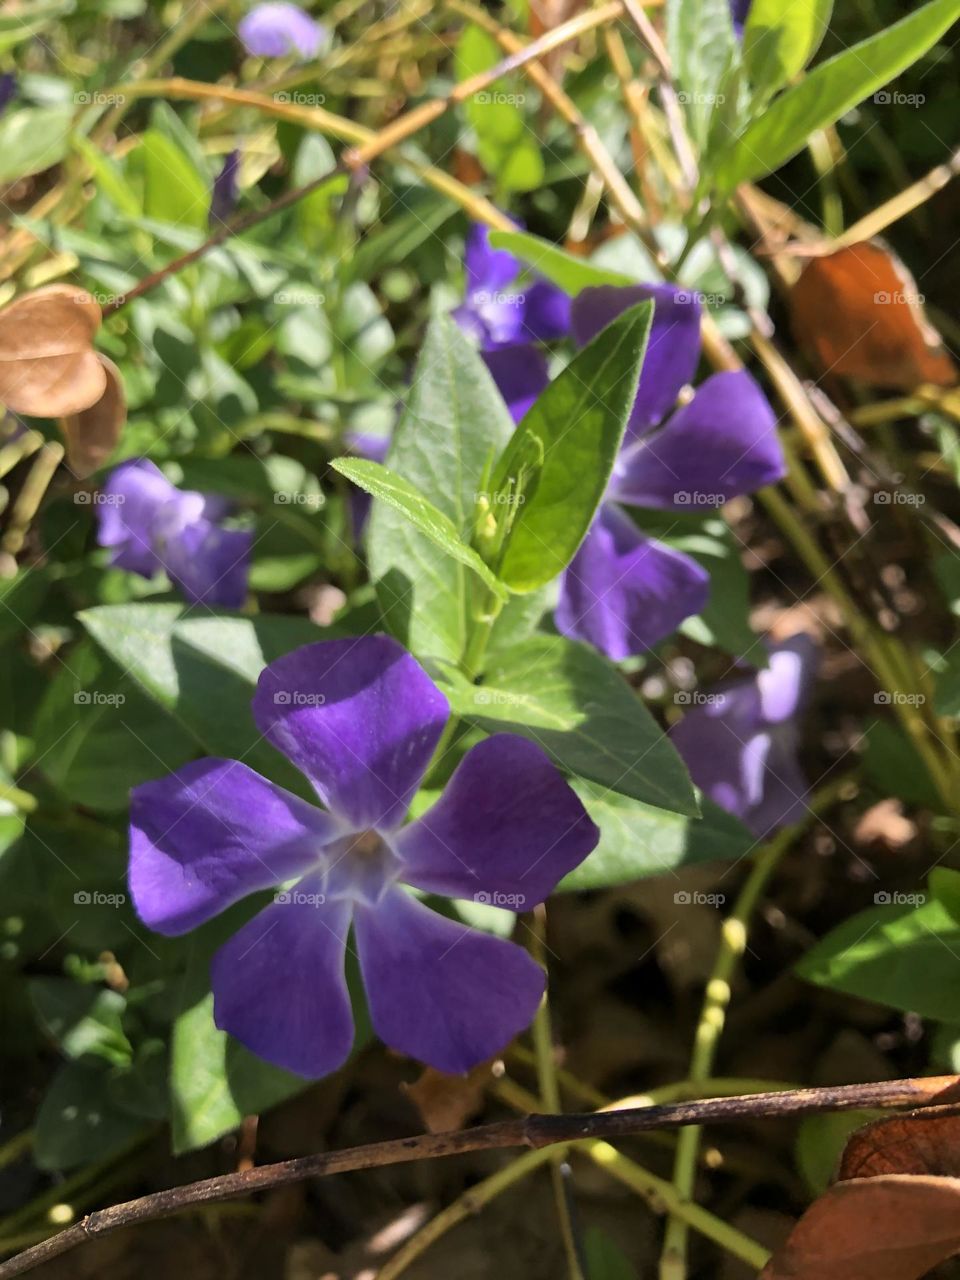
[
  {"x": 624, "y": 592},
  {"x": 508, "y": 321},
  {"x": 277, "y": 29},
  {"x": 223, "y": 198},
  {"x": 149, "y": 524},
  {"x": 361, "y": 720},
  {"x": 739, "y": 12},
  {"x": 740, "y": 741},
  {"x": 8, "y": 90}
]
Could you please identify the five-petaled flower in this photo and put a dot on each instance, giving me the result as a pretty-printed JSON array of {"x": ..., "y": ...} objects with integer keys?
[
  {"x": 361, "y": 719},
  {"x": 276, "y": 29},
  {"x": 740, "y": 743},
  {"x": 507, "y": 320},
  {"x": 624, "y": 592},
  {"x": 150, "y": 524}
]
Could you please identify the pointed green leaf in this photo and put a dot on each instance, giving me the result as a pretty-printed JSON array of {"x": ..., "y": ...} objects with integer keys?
[
  {"x": 564, "y": 270},
  {"x": 780, "y": 39}
]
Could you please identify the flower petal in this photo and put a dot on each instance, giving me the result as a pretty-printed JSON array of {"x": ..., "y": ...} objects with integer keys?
[
  {"x": 438, "y": 991},
  {"x": 784, "y": 683},
  {"x": 210, "y": 564},
  {"x": 131, "y": 498},
  {"x": 276, "y": 29},
  {"x": 487, "y": 268},
  {"x": 508, "y": 826},
  {"x": 210, "y": 834},
  {"x": 723, "y": 443},
  {"x": 546, "y": 312},
  {"x": 279, "y": 985},
  {"x": 520, "y": 373},
  {"x": 624, "y": 592},
  {"x": 673, "y": 348},
  {"x": 360, "y": 718}
]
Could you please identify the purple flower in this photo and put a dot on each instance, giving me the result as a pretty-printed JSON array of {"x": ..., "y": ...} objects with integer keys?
[
  {"x": 277, "y": 29},
  {"x": 150, "y": 525},
  {"x": 623, "y": 591},
  {"x": 361, "y": 719},
  {"x": 223, "y": 199},
  {"x": 739, "y": 11},
  {"x": 740, "y": 742},
  {"x": 8, "y": 90},
  {"x": 506, "y": 321},
  {"x": 374, "y": 448}
]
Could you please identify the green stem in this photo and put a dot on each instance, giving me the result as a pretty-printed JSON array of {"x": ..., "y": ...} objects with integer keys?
[{"x": 26, "y": 803}]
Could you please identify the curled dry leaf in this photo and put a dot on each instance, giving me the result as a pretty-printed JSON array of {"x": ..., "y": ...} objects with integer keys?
[
  {"x": 895, "y": 1211},
  {"x": 48, "y": 367},
  {"x": 448, "y": 1102},
  {"x": 93, "y": 433},
  {"x": 859, "y": 314}
]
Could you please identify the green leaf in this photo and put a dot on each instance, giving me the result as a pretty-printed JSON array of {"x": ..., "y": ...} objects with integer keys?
[
  {"x": 780, "y": 39},
  {"x": 576, "y": 705},
  {"x": 567, "y": 443},
  {"x": 32, "y": 140},
  {"x": 947, "y": 691},
  {"x": 564, "y": 270},
  {"x": 904, "y": 956},
  {"x": 85, "y": 1021},
  {"x": 505, "y": 146},
  {"x": 25, "y": 23},
  {"x": 78, "y": 1121},
  {"x": 109, "y": 178},
  {"x": 830, "y": 90},
  {"x": 637, "y": 840},
  {"x": 406, "y": 498},
  {"x": 605, "y": 1259},
  {"x": 703, "y": 48},
  {"x": 945, "y": 887},
  {"x": 174, "y": 192},
  {"x": 454, "y": 421}
]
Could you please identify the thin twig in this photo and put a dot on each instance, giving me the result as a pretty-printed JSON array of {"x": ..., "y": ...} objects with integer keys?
[{"x": 533, "y": 1131}]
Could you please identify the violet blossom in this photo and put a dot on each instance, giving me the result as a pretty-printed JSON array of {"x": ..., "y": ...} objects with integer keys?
[
  {"x": 277, "y": 29},
  {"x": 740, "y": 741},
  {"x": 149, "y": 524},
  {"x": 361, "y": 720},
  {"x": 223, "y": 198},
  {"x": 624, "y": 592},
  {"x": 508, "y": 321}
]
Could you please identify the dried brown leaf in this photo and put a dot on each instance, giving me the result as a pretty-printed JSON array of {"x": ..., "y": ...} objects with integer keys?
[
  {"x": 923, "y": 1142},
  {"x": 48, "y": 367},
  {"x": 860, "y": 315},
  {"x": 448, "y": 1102},
  {"x": 93, "y": 433},
  {"x": 895, "y": 1227}
]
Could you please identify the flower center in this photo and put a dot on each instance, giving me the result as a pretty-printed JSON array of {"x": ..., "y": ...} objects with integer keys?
[{"x": 361, "y": 865}]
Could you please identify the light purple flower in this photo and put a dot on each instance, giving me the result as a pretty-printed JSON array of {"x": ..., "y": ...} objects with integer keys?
[
  {"x": 375, "y": 449},
  {"x": 361, "y": 720},
  {"x": 8, "y": 90},
  {"x": 223, "y": 199},
  {"x": 150, "y": 525},
  {"x": 506, "y": 320},
  {"x": 740, "y": 741},
  {"x": 623, "y": 591},
  {"x": 277, "y": 29}
]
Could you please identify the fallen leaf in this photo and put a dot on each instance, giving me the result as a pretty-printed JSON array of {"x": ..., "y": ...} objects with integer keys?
[
  {"x": 448, "y": 1102},
  {"x": 894, "y": 1227},
  {"x": 922, "y": 1142},
  {"x": 93, "y": 433},
  {"x": 859, "y": 314},
  {"x": 48, "y": 367}
]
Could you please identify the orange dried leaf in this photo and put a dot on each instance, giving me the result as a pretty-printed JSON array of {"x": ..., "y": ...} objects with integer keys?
[
  {"x": 859, "y": 314},
  {"x": 895, "y": 1227},
  {"x": 448, "y": 1102},
  {"x": 93, "y": 433},
  {"x": 924, "y": 1142},
  {"x": 48, "y": 367}
]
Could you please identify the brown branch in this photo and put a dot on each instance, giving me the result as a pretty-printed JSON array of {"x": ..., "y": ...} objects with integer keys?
[{"x": 532, "y": 1131}]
